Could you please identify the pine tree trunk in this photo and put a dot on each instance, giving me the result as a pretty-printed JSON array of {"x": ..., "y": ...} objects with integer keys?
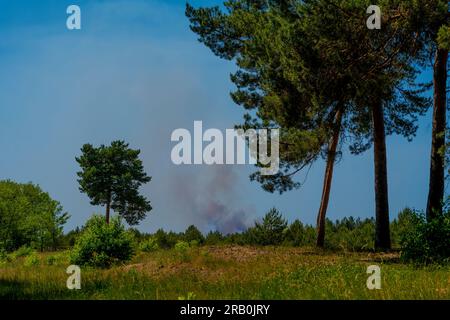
[
  {"x": 331, "y": 157},
  {"x": 382, "y": 232},
  {"x": 437, "y": 173},
  {"x": 108, "y": 209}
]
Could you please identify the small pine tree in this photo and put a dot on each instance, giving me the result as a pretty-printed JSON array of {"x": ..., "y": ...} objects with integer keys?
[
  {"x": 193, "y": 234},
  {"x": 271, "y": 231}
]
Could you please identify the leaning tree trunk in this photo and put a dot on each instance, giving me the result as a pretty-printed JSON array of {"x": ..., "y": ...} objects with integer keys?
[
  {"x": 382, "y": 232},
  {"x": 331, "y": 156},
  {"x": 437, "y": 173}
]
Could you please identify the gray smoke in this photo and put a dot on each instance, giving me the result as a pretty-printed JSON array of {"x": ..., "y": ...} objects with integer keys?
[{"x": 212, "y": 201}]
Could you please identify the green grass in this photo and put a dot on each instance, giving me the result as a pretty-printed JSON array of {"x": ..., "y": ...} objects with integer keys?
[{"x": 227, "y": 273}]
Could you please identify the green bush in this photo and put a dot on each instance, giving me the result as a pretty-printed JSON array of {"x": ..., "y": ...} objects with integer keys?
[
  {"x": 32, "y": 260},
  {"x": 101, "y": 244},
  {"x": 3, "y": 256},
  {"x": 298, "y": 235},
  {"x": 182, "y": 249},
  {"x": 214, "y": 238},
  {"x": 350, "y": 234},
  {"x": 426, "y": 242},
  {"x": 193, "y": 234},
  {"x": 166, "y": 240},
  {"x": 23, "y": 251},
  {"x": 271, "y": 231},
  {"x": 194, "y": 244},
  {"x": 181, "y": 246},
  {"x": 404, "y": 224},
  {"x": 149, "y": 245},
  {"x": 54, "y": 259}
]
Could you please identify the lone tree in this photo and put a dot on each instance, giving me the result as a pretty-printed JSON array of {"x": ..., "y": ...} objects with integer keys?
[{"x": 111, "y": 177}]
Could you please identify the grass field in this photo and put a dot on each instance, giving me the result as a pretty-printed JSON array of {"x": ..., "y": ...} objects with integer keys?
[{"x": 227, "y": 273}]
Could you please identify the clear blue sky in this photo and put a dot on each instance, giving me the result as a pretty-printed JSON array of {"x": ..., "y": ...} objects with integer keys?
[{"x": 136, "y": 72}]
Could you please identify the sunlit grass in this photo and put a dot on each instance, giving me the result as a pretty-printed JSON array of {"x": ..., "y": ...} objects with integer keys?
[{"x": 227, "y": 273}]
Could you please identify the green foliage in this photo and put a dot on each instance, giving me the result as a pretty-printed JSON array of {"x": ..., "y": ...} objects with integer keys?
[
  {"x": 301, "y": 69},
  {"x": 404, "y": 224},
  {"x": 182, "y": 246},
  {"x": 298, "y": 235},
  {"x": 189, "y": 296},
  {"x": 351, "y": 234},
  {"x": 182, "y": 249},
  {"x": 166, "y": 240},
  {"x": 69, "y": 239},
  {"x": 149, "y": 245},
  {"x": 193, "y": 234},
  {"x": 32, "y": 260},
  {"x": 426, "y": 242},
  {"x": 194, "y": 243},
  {"x": 270, "y": 231},
  {"x": 262, "y": 274},
  {"x": 51, "y": 260},
  {"x": 23, "y": 251},
  {"x": 3, "y": 257},
  {"x": 112, "y": 175},
  {"x": 294, "y": 59},
  {"x": 57, "y": 259},
  {"x": 444, "y": 37},
  {"x": 102, "y": 244},
  {"x": 214, "y": 238},
  {"x": 29, "y": 216}
]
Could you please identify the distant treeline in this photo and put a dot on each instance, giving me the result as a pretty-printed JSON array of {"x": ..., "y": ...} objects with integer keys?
[{"x": 352, "y": 234}]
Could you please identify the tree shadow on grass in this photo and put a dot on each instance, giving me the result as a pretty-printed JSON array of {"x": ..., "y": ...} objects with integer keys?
[
  {"x": 27, "y": 290},
  {"x": 14, "y": 290}
]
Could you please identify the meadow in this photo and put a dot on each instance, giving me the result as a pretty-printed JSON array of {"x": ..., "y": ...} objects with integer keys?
[{"x": 226, "y": 272}]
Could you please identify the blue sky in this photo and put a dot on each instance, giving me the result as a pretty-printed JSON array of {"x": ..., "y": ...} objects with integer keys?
[{"x": 136, "y": 72}]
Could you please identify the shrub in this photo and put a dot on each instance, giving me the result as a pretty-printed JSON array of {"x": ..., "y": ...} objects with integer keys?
[
  {"x": 405, "y": 223},
  {"x": 193, "y": 234},
  {"x": 189, "y": 296},
  {"x": 214, "y": 238},
  {"x": 32, "y": 260},
  {"x": 181, "y": 246},
  {"x": 3, "y": 256},
  {"x": 350, "y": 234},
  {"x": 426, "y": 242},
  {"x": 270, "y": 232},
  {"x": 54, "y": 259},
  {"x": 101, "y": 244},
  {"x": 149, "y": 245},
  {"x": 23, "y": 252},
  {"x": 194, "y": 243},
  {"x": 299, "y": 235},
  {"x": 166, "y": 240},
  {"x": 51, "y": 260}
]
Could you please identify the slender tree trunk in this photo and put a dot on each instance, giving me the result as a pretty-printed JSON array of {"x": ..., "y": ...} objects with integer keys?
[
  {"x": 54, "y": 240},
  {"x": 437, "y": 173},
  {"x": 108, "y": 209},
  {"x": 331, "y": 157},
  {"x": 382, "y": 232}
]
